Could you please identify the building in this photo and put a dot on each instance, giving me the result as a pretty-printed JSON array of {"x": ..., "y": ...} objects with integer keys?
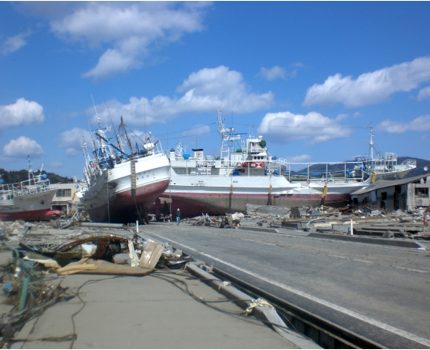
[
  {"x": 405, "y": 194},
  {"x": 67, "y": 197}
]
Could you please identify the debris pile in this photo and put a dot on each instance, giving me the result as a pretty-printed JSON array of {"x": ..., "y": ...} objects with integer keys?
[
  {"x": 28, "y": 289},
  {"x": 39, "y": 255},
  {"x": 225, "y": 221},
  {"x": 13, "y": 231},
  {"x": 363, "y": 221},
  {"x": 202, "y": 220}
]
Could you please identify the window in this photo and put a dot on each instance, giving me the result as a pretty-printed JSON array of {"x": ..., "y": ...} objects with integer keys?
[
  {"x": 422, "y": 192},
  {"x": 64, "y": 192}
]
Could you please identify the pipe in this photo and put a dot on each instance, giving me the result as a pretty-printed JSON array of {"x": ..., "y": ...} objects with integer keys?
[{"x": 261, "y": 308}]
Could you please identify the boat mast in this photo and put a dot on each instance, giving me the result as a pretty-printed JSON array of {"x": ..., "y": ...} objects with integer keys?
[
  {"x": 122, "y": 126},
  {"x": 118, "y": 141},
  {"x": 227, "y": 138},
  {"x": 29, "y": 168},
  {"x": 371, "y": 144}
]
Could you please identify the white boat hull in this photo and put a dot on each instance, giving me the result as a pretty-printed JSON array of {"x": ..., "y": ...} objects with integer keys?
[
  {"x": 216, "y": 195},
  {"x": 29, "y": 207},
  {"x": 112, "y": 196}
]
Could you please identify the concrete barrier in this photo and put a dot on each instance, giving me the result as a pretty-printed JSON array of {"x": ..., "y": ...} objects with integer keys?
[
  {"x": 260, "y": 229},
  {"x": 383, "y": 241}
]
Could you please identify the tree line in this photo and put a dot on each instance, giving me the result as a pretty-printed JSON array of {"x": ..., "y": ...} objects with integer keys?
[{"x": 11, "y": 176}]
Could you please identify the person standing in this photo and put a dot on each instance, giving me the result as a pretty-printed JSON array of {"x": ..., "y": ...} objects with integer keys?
[{"x": 178, "y": 216}]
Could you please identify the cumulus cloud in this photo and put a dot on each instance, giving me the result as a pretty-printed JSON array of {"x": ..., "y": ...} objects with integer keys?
[
  {"x": 421, "y": 123},
  {"x": 22, "y": 147},
  {"x": 313, "y": 127},
  {"x": 112, "y": 61},
  {"x": 370, "y": 88},
  {"x": 424, "y": 93},
  {"x": 276, "y": 72},
  {"x": 14, "y": 43},
  {"x": 127, "y": 31},
  {"x": 206, "y": 90},
  {"x": 20, "y": 113},
  {"x": 72, "y": 140}
]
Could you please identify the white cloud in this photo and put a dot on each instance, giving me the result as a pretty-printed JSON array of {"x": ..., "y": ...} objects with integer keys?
[
  {"x": 314, "y": 127},
  {"x": 220, "y": 88},
  {"x": 22, "y": 147},
  {"x": 276, "y": 72},
  {"x": 127, "y": 31},
  {"x": 14, "y": 43},
  {"x": 197, "y": 130},
  {"x": 370, "y": 88},
  {"x": 138, "y": 137},
  {"x": 56, "y": 165},
  {"x": 392, "y": 127},
  {"x": 19, "y": 113},
  {"x": 421, "y": 123},
  {"x": 112, "y": 61},
  {"x": 73, "y": 140},
  {"x": 298, "y": 158},
  {"x": 424, "y": 93},
  {"x": 207, "y": 90}
]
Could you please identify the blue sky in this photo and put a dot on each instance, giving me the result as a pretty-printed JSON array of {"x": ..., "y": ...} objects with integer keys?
[{"x": 311, "y": 77}]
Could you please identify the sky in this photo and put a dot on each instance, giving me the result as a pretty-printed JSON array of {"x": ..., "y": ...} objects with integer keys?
[{"x": 311, "y": 77}]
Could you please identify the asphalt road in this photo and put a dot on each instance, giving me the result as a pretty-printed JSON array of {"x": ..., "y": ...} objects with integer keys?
[{"x": 383, "y": 291}]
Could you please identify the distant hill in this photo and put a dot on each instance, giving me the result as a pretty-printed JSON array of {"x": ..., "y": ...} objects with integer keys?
[{"x": 21, "y": 175}]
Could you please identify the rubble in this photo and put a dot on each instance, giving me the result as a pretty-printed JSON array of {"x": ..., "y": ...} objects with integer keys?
[
  {"x": 13, "y": 231},
  {"x": 42, "y": 254},
  {"x": 368, "y": 221},
  {"x": 202, "y": 220}
]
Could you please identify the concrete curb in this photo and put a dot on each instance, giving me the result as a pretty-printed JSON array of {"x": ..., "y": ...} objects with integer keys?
[
  {"x": 260, "y": 229},
  {"x": 382, "y": 241}
]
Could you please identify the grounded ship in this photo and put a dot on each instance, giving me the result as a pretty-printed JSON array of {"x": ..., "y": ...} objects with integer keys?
[
  {"x": 122, "y": 185},
  {"x": 384, "y": 167},
  {"x": 246, "y": 174},
  {"x": 28, "y": 200}
]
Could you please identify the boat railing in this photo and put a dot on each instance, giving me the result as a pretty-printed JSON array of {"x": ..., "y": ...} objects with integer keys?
[
  {"x": 321, "y": 171},
  {"x": 30, "y": 186},
  {"x": 293, "y": 171}
]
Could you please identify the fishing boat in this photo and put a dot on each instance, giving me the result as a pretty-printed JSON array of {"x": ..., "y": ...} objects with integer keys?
[
  {"x": 123, "y": 180},
  {"x": 383, "y": 167},
  {"x": 245, "y": 173},
  {"x": 28, "y": 200}
]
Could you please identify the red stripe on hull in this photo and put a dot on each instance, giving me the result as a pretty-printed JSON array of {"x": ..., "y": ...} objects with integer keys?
[
  {"x": 194, "y": 204},
  {"x": 123, "y": 208},
  {"x": 34, "y": 215}
]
